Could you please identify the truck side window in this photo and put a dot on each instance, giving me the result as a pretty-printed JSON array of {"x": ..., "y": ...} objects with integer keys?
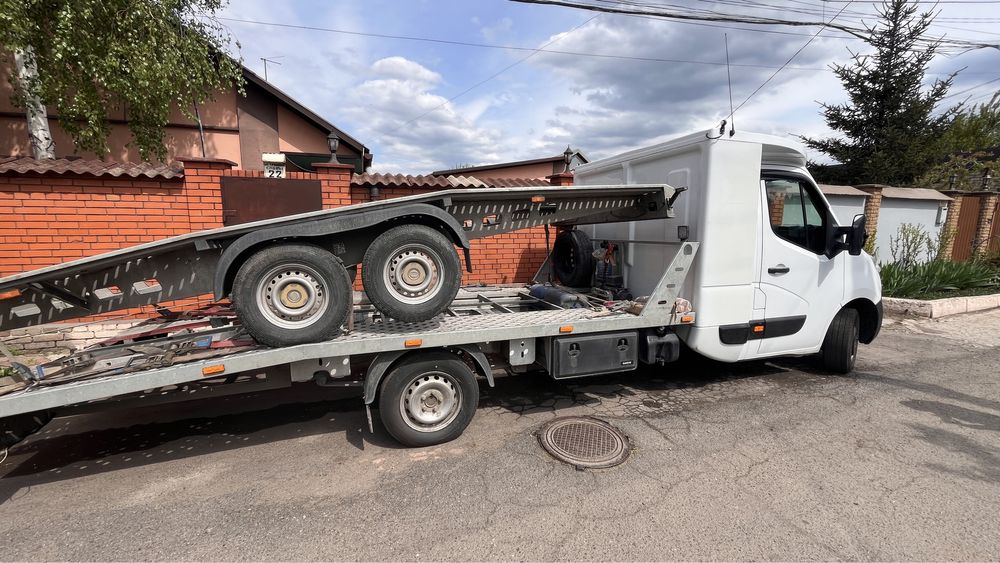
[{"x": 793, "y": 213}]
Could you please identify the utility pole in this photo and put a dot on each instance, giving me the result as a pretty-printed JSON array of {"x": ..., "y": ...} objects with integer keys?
[{"x": 39, "y": 135}]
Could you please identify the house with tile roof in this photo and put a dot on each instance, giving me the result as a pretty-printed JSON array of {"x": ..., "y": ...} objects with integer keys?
[{"x": 235, "y": 127}]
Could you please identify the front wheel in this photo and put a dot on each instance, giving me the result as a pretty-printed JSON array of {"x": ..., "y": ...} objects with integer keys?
[
  {"x": 840, "y": 347},
  {"x": 429, "y": 398},
  {"x": 292, "y": 294}
]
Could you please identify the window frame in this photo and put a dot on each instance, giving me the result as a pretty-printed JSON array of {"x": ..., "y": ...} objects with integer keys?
[{"x": 812, "y": 191}]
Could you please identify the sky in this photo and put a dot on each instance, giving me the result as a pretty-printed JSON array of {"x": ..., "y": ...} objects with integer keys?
[{"x": 422, "y": 106}]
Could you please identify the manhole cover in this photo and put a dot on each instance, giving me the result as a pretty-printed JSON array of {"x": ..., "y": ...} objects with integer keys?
[{"x": 584, "y": 442}]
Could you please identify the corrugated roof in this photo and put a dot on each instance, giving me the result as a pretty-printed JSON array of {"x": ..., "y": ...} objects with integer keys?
[
  {"x": 913, "y": 193},
  {"x": 829, "y": 189},
  {"x": 87, "y": 167},
  {"x": 440, "y": 182}
]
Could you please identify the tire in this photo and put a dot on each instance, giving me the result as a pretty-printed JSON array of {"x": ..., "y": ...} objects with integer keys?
[
  {"x": 840, "y": 347},
  {"x": 573, "y": 258},
  {"x": 15, "y": 428},
  {"x": 417, "y": 384},
  {"x": 411, "y": 273},
  {"x": 292, "y": 294}
]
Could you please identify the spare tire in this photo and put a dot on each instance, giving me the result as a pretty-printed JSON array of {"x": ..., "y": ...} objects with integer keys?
[{"x": 573, "y": 258}]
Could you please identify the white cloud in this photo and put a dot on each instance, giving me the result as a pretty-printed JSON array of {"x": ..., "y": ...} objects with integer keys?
[
  {"x": 405, "y": 70},
  {"x": 420, "y": 129}
]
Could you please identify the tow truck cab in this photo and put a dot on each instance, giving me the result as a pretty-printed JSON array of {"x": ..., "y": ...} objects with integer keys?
[{"x": 776, "y": 266}]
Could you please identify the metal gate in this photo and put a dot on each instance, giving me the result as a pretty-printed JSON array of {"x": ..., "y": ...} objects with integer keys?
[
  {"x": 252, "y": 199},
  {"x": 965, "y": 235}
]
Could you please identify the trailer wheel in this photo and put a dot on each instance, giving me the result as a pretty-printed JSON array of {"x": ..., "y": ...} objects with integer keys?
[
  {"x": 429, "y": 398},
  {"x": 840, "y": 347},
  {"x": 411, "y": 273},
  {"x": 573, "y": 258},
  {"x": 292, "y": 294}
]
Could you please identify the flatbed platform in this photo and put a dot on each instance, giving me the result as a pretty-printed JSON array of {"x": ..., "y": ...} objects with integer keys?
[{"x": 479, "y": 315}]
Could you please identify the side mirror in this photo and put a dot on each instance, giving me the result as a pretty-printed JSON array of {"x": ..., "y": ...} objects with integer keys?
[
  {"x": 852, "y": 239},
  {"x": 858, "y": 236}
]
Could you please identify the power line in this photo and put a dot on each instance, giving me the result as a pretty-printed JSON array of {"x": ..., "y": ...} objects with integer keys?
[
  {"x": 929, "y": 1},
  {"x": 508, "y": 47},
  {"x": 686, "y": 13},
  {"x": 550, "y": 51},
  {"x": 977, "y": 86},
  {"x": 795, "y": 54}
]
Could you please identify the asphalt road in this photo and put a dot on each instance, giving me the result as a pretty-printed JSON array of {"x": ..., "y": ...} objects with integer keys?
[{"x": 900, "y": 460}]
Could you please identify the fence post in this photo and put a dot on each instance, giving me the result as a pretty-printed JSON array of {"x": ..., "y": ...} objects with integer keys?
[
  {"x": 984, "y": 226},
  {"x": 203, "y": 189},
  {"x": 873, "y": 204},
  {"x": 335, "y": 179},
  {"x": 950, "y": 229}
]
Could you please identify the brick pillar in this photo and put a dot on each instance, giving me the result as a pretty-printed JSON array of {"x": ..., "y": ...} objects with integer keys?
[
  {"x": 203, "y": 189},
  {"x": 873, "y": 204},
  {"x": 987, "y": 207},
  {"x": 776, "y": 203},
  {"x": 950, "y": 228},
  {"x": 335, "y": 179},
  {"x": 561, "y": 179}
]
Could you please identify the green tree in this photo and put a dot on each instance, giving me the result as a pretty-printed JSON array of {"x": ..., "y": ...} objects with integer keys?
[
  {"x": 974, "y": 127},
  {"x": 969, "y": 149},
  {"x": 888, "y": 130},
  {"x": 89, "y": 58}
]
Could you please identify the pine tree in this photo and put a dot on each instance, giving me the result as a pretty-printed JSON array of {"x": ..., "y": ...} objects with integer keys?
[{"x": 888, "y": 128}]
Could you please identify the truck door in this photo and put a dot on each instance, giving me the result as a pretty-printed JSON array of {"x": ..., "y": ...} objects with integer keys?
[{"x": 801, "y": 286}]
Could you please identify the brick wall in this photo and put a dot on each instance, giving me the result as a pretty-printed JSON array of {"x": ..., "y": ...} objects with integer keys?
[{"x": 45, "y": 221}]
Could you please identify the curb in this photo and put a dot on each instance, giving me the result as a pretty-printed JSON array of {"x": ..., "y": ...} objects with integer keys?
[{"x": 937, "y": 308}]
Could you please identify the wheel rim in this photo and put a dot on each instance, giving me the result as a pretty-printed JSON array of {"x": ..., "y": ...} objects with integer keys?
[
  {"x": 413, "y": 273},
  {"x": 430, "y": 402},
  {"x": 292, "y": 296}
]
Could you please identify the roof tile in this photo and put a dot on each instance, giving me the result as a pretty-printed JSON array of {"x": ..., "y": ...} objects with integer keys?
[{"x": 88, "y": 167}]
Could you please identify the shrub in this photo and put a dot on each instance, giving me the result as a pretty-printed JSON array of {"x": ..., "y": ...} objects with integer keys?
[
  {"x": 908, "y": 245},
  {"x": 916, "y": 280}
]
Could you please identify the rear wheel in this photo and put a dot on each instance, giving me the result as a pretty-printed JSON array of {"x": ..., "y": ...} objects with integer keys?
[
  {"x": 411, "y": 273},
  {"x": 427, "y": 399},
  {"x": 292, "y": 294},
  {"x": 840, "y": 347}
]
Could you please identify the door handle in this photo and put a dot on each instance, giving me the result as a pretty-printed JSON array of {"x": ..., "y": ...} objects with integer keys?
[{"x": 779, "y": 269}]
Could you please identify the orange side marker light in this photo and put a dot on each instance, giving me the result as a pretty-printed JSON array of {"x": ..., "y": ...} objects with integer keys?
[
  {"x": 10, "y": 293},
  {"x": 213, "y": 370}
]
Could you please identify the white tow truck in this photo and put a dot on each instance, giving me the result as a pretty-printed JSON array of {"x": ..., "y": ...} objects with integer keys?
[{"x": 724, "y": 244}]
